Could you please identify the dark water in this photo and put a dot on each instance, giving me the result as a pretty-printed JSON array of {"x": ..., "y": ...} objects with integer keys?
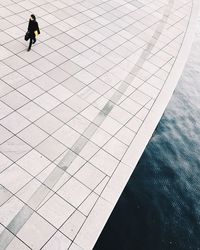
[{"x": 160, "y": 206}]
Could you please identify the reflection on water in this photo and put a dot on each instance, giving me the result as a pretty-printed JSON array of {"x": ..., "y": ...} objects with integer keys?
[{"x": 160, "y": 206}]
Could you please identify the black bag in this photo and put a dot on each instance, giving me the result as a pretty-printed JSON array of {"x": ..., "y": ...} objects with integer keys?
[{"x": 27, "y": 36}]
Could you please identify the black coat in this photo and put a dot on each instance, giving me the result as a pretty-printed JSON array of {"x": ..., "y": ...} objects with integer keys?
[{"x": 32, "y": 27}]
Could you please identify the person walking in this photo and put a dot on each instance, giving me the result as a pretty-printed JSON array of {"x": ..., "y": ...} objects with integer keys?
[{"x": 33, "y": 30}]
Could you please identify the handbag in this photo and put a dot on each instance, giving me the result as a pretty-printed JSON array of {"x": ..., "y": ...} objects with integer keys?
[{"x": 27, "y": 36}]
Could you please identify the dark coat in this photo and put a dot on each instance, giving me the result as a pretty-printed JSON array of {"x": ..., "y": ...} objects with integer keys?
[{"x": 32, "y": 27}]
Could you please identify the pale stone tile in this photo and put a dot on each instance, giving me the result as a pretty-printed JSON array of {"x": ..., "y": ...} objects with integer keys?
[
  {"x": 32, "y": 135},
  {"x": 155, "y": 82},
  {"x": 14, "y": 99},
  {"x": 25, "y": 194},
  {"x": 56, "y": 211},
  {"x": 85, "y": 77},
  {"x": 61, "y": 26},
  {"x": 9, "y": 210},
  {"x": 14, "y": 148},
  {"x": 5, "y": 162},
  {"x": 17, "y": 245},
  {"x": 4, "y": 110},
  {"x": 73, "y": 84},
  {"x": 46, "y": 172},
  {"x": 162, "y": 74},
  {"x": 140, "y": 97},
  {"x": 36, "y": 232},
  {"x": 110, "y": 125},
  {"x": 14, "y": 122},
  {"x": 63, "y": 179},
  {"x": 149, "y": 90},
  {"x": 50, "y": 18},
  {"x": 89, "y": 175},
  {"x": 4, "y": 53},
  {"x": 125, "y": 135},
  {"x": 75, "y": 33},
  {"x": 115, "y": 148},
  {"x": 43, "y": 65},
  {"x": 33, "y": 162},
  {"x": 5, "y": 88},
  {"x": 57, "y": 242},
  {"x": 131, "y": 106},
  {"x": 42, "y": 49},
  {"x": 98, "y": 190},
  {"x": 49, "y": 123},
  {"x": 45, "y": 82},
  {"x": 79, "y": 47},
  {"x": 74, "y": 192},
  {"x": 75, "y": 165},
  {"x": 116, "y": 185},
  {"x": 73, "y": 225},
  {"x": 81, "y": 61},
  {"x": 14, "y": 178},
  {"x": 68, "y": 52},
  {"x": 49, "y": 7},
  {"x": 100, "y": 137},
  {"x": 61, "y": 93},
  {"x": 88, "y": 94},
  {"x": 142, "y": 113},
  {"x": 30, "y": 90},
  {"x": 88, "y": 151},
  {"x": 65, "y": 38},
  {"x": 150, "y": 104},
  {"x": 47, "y": 101},
  {"x": 4, "y": 134},
  {"x": 54, "y": 43},
  {"x": 105, "y": 162},
  {"x": 76, "y": 103},
  {"x": 58, "y": 75},
  {"x": 101, "y": 102},
  {"x": 56, "y": 58},
  {"x": 92, "y": 227},
  {"x": 66, "y": 135},
  {"x": 5, "y": 195},
  {"x": 4, "y": 24},
  {"x": 15, "y": 32},
  {"x": 75, "y": 247},
  {"x": 27, "y": 5},
  {"x": 30, "y": 72},
  {"x": 31, "y": 111},
  {"x": 51, "y": 148},
  {"x": 127, "y": 90},
  {"x": 70, "y": 67},
  {"x": 134, "y": 124},
  {"x": 90, "y": 113},
  {"x": 120, "y": 114},
  {"x": 88, "y": 204},
  {"x": 15, "y": 46},
  {"x": 99, "y": 86},
  {"x": 28, "y": 57},
  {"x": 79, "y": 123}
]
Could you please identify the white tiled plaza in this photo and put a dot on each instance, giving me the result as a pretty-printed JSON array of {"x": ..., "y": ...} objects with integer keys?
[{"x": 77, "y": 111}]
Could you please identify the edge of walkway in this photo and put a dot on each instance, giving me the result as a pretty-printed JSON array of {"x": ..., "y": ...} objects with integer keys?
[{"x": 108, "y": 199}]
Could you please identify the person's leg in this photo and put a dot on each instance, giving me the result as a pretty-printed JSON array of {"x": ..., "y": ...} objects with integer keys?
[
  {"x": 34, "y": 40},
  {"x": 30, "y": 44}
]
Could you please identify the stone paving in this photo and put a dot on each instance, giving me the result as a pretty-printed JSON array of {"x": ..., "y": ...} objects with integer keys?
[{"x": 71, "y": 108}]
